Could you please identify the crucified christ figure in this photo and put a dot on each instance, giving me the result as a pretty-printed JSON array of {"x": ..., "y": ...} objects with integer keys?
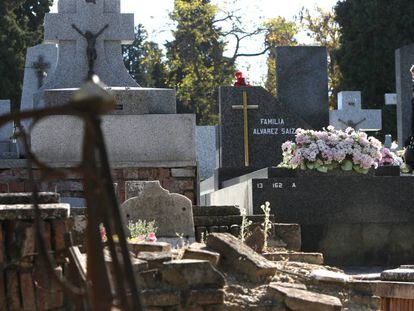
[{"x": 91, "y": 53}]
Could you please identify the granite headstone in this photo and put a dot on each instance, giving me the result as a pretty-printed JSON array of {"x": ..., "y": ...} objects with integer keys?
[
  {"x": 171, "y": 212},
  {"x": 207, "y": 141},
  {"x": 351, "y": 114},
  {"x": 302, "y": 82},
  {"x": 269, "y": 126},
  {"x": 40, "y": 64},
  {"x": 404, "y": 59}
]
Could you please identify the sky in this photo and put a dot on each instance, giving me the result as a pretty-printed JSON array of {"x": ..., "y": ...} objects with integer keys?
[{"x": 153, "y": 15}]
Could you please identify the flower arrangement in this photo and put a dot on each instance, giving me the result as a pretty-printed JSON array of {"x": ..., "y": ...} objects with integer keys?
[
  {"x": 143, "y": 231},
  {"x": 331, "y": 149},
  {"x": 389, "y": 158},
  {"x": 140, "y": 231}
]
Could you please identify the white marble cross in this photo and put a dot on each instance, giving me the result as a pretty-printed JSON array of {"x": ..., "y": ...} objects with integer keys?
[
  {"x": 93, "y": 17},
  {"x": 351, "y": 114}
]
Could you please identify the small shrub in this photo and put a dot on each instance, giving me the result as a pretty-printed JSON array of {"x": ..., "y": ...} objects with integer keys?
[
  {"x": 267, "y": 224},
  {"x": 246, "y": 223}
]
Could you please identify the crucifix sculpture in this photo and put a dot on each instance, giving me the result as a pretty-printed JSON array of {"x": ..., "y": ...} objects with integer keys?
[
  {"x": 91, "y": 53},
  {"x": 245, "y": 107},
  {"x": 40, "y": 68}
]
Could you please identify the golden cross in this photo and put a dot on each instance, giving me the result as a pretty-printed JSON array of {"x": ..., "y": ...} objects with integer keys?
[{"x": 245, "y": 107}]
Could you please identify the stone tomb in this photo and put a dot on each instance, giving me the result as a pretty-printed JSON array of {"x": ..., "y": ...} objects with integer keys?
[
  {"x": 144, "y": 131},
  {"x": 302, "y": 82},
  {"x": 351, "y": 114},
  {"x": 253, "y": 137},
  {"x": 352, "y": 219},
  {"x": 171, "y": 212}
]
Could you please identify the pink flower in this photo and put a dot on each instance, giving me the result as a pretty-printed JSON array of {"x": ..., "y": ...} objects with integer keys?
[
  {"x": 152, "y": 238},
  {"x": 103, "y": 234}
]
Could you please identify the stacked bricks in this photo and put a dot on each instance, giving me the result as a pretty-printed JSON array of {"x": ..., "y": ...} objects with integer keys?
[
  {"x": 25, "y": 282},
  {"x": 176, "y": 180}
]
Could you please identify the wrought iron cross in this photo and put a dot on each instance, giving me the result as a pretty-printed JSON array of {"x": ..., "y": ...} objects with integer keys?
[
  {"x": 245, "y": 107},
  {"x": 40, "y": 68}
]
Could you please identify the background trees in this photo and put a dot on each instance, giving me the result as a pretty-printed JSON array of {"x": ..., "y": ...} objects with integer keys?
[
  {"x": 371, "y": 31},
  {"x": 20, "y": 27}
]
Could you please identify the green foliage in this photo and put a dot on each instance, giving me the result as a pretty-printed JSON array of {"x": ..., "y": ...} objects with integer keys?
[
  {"x": 142, "y": 228},
  {"x": 245, "y": 225},
  {"x": 324, "y": 30},
  {"x": 279, "y": 32},
  {"x": 371, "y": 31},
  {"x": 19, "y": 29},
  {"x": 267, "y": 224},
  {"x": 144, "y": 60},
  {"x": 196, "y": 63}
]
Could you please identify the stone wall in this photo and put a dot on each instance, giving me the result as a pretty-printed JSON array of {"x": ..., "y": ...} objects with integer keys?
[{"x": 176, "y": 180}]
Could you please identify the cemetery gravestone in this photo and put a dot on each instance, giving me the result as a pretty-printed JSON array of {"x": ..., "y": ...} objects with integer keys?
[
  {"x": 253, "y": 127},
  {"x": 302, "y": 82},
  {"x": 90, "y": 36},
  {"x": 6, "y": 131},
  {"x": 171, "y": 212},
  {"x": 404, "y": 59},
  {"x": 350, "y": 114},
  {"x": 206, "y": 140},
  {"x": 40, "y": 65}
]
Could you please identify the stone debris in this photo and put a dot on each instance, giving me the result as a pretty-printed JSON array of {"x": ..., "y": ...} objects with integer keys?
[
  {"x": 155, "y": 260},
  {"x": 191, "y": 273},
  {"x": 137, "y": 247},
  {"x": 238, "y": 257},
  {"x": 201, "y": 254},
  {"x": 311, "y": 258},
  {"x": 329, "y": 276},
  {"x": 300, "y": 299},
  {"x": 401, "y": 274},
  {"x": 256, "y": 240}
]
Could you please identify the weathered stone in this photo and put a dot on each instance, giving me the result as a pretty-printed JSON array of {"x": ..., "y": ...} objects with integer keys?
[
  {"x": 201, "y": 254},
  {"x": 398, "y": 275},
  {"x": 155, "y": 259},
  {"x": 205, "y": 297},
  {"x": 27, "y": 198},
  {"x": 329, "y": 276},
  {"x": 161, "y": 298},
  {"x": 312, "y": 258},
  {"x": 208, "y": 221},
  {"x": 26, "y": 212},
  {"x": 182, "y": 172},
  {"x": 239, "y": 257},
  {"x": 289, "y": 234},
  {"x": 256, "y": 240},
  {"x": 171, "y": 212},
  {"x": 150, "y": 279},
  {"x": 152, "y": 148},
  {"x": 400, "y": 290},
  {"x": 190, "y": 273},
  {"x": 216, "y": 211},
  {"x": 138, "y": 247},
  {"x": 299, "y": 299},
  {"x": 207, "y": 142},
  {"x": 13, "y": 293}
]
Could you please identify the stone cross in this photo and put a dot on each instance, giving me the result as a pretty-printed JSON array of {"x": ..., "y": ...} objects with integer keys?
[
  {"x": 40, "y": 67},
  {"x": 391, "y": 99},
  {"x": 350, "y": 114},
  {"x": 245, "y": 107},
  {"x": 77, "y": 54}
]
